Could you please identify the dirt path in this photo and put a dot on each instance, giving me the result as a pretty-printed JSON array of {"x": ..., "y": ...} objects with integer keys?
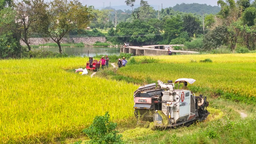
[
  {"x": 93, "y": 74},
  {"x": 96, "y": 72},
  {"x": 113, "y": 65},
  {"x": 242, "y": 114}
]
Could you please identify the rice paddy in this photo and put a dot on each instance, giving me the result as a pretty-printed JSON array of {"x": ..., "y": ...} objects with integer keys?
[{"x": 40, "y": 102}]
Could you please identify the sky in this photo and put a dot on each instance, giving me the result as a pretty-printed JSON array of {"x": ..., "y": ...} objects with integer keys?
[{"x": 166, "y": 3}]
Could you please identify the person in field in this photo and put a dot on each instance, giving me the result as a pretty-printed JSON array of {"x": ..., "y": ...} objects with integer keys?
[
  {"x": 124, "y": 61},
  {"x": 103, "y": 62},
  {"x": 107, "y": 59},
  {"x": 119, "y": 63},
  {"x": 90, "y": 61}
]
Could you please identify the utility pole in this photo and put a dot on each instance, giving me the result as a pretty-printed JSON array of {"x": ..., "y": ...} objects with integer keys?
[
  {"x": 158, "y": 13},
  {"x": 115, "y": 18},
  {"x": 161, "y": 6},
  {"x": 203, "y": 23}
]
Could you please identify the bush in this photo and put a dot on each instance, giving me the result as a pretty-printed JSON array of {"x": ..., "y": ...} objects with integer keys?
[
  {"x": 206, "y": 60},
  {"x": 97, "y": 43},
  {"x": 178, "y": 41},
  {"x": 126, "y": 55},
  {"x": 114, "y": 58},
  {"x": 149, "y": 60},
  {"x": 132, "y": 61},
  {"x": 103, "y": 131},
  {"x": 196, "y": 44},
  {"x": 221, "y": 51},
  {"x": 79, "y": 44},
  {"x": 242, "y": 50},
  {"x": 43, "y": 54},
  {"x": 93, "y": 33},
  {"x": 177, "y": 47}
]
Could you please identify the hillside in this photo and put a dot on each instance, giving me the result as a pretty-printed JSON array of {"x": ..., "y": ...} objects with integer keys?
[{"x": 197, "y": 8}]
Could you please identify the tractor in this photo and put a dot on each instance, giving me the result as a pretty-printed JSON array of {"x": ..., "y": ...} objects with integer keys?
[
  {"x": 168, "y": 107},
  {"x": 95, "y": 65}
]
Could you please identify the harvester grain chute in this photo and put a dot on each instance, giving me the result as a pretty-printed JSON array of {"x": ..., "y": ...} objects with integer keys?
[{"x": 169, "y": 107}]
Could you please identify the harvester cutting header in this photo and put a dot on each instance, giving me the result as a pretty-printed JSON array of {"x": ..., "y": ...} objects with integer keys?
[{"x": 169, "y": 107}]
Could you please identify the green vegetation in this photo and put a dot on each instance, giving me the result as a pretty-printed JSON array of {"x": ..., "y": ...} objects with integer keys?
[
  {"x": 103, "y": 131},
  {"x": 177, "y": 47},
  {"x": 196, "y": 44},
  {"x": 86, "y": 33},
  {"x": 114, "y": 58},
  {"x": 101, "y": 44},
  {"x": 62, "y": 44},
  {"x": 42, "y": 54}
]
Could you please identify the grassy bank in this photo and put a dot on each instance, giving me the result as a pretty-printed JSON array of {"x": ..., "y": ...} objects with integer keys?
[{"x": 62, "y": 44}]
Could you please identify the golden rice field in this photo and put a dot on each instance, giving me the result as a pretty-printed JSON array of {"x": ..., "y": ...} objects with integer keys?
[
  {"x": 40, "y": 101},
  {"x": 234, "y": 73}
]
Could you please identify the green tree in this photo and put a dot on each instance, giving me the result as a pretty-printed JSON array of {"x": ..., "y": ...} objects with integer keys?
[
  {"x": 62, "y": 17},
  {"x": 27, "y": 16},
  {"x": 9, "y": 39},
  {"x": 209, "y": 20},
  {"x": 6, "y": 3},
  {"x": 243, "y": 4},
  {"x": 229, "y": 11},
  {"x": 215, "y": 38},
  {"x": 191, "y": 25},
  {"x": 101, "y": 18},
  {"x": 137, "y": 33},
  {"x": 172, "y": 28},
  {"x": 249, "y": 16},
  {"x": 144, "y": 12}
]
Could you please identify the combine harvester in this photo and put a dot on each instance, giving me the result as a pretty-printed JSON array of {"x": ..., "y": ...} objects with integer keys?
[{"x": 168, "y": 107}]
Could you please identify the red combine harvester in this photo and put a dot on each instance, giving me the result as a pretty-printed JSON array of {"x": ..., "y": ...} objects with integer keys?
[{"x": 95, "y": 65}]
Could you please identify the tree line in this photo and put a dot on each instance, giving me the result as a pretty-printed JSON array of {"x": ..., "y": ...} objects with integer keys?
[
  {"x": 234, "y": 26},
  {"x": 27, "y": 18}
]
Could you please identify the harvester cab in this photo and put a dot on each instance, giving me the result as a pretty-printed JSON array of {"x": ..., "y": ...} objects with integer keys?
[{"x": 169, "y": 107}]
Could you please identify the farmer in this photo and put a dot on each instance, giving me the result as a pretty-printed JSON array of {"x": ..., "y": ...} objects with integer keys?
[
  {"x": 103, "y": 62},
  {"x": 90, "y": 61},
  {"x": 107, "y": 59},
  {"x": 119, "y": 63},
  {"x": 124, "y": 61},
  {"x": 169, "y": 51}
]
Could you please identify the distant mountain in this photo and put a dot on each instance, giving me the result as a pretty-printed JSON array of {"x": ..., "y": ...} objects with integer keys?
[
  {"x": 125, "y": 7},
  {"x": 196, "y": 8},
  {"x": 199, "y": 9}
]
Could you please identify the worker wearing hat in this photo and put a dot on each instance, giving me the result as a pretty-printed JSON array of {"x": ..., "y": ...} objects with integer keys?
[
  {"x": 107, "y": 59},
  {"x": 90, "y": 61},
  {"x": 124, "y": 61},
  {"x": 103, "y": 62},
  {"x": 119, "y": 63}
]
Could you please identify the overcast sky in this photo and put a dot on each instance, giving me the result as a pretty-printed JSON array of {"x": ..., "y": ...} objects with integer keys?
[{"x": 166, "y": 3}]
